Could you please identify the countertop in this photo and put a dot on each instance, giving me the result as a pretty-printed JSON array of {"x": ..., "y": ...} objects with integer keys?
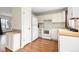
[
  {"x": 14, "y": 31},
  {"x": 66, "y": 32}
]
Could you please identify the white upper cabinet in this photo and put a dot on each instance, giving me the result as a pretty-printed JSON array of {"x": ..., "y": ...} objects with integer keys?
[
  {"x": 73, "y": 12},
  {"x": 41, "y": 18},
  {"x": 69, "y": 13},
  {"x": 76, "y": 12},
  {"x": 58, "y": 17},
  {"x": 54, "y": 17}
]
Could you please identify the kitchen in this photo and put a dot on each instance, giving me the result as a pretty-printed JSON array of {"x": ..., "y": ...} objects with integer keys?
[
  {"x": 51, "y": 23},
  {"x": 68, "y": 38},
  {"x": 10, "y": 26}
]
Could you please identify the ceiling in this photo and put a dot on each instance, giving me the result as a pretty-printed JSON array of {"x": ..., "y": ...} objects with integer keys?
[
  {"x": 45, "y": 9},
  {"x": 6, "y": 11},
  {"x": 37, "y": 10}
]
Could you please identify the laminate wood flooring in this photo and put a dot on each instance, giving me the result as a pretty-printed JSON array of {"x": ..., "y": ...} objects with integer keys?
[{"x": 41, "y": 45}]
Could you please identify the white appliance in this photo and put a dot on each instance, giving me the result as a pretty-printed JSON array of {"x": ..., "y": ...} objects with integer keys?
[
  {"x": 46, "y": 33},
  {"x": 47, "y": 29},
  {"x": 72, "y": 23}
]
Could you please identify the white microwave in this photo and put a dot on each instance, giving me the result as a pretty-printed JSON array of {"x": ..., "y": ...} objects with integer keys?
[{"x": 72, "y": 24}]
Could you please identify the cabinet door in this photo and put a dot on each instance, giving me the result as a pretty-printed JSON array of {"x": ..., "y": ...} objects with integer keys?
[
  {"x": 26, "y": 26},
  {"x": 77, "y": 24},
  {"x": 55, "y": 34},
  {"x": 13, "y": 41},
  {"x": 34, "y": 28},
  {"x": 9, "y": 41},
  {"x": 16, "y": 42},
  {"x": 55, "y": 17},
  {"x": 70, "y": 12},
  {"x": 68, "y": 44},
  {"x": 40, "y": 19},
  {"x": 47, "y": 17},
  {"x": 58, "y": 17},
  {"x": 2, "y": 42},
  {"x": 44, "y": 17},
  {"x": 78, "y": 11},
  {"x": 75, "y": 12}
]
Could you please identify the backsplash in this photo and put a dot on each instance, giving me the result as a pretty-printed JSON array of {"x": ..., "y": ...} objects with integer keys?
[
  {"x": 54, "y": 25},
  {"x": 58, "y": 25}
]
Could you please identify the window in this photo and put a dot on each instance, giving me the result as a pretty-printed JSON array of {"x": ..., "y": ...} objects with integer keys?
[{"x": 6, "y": 25}]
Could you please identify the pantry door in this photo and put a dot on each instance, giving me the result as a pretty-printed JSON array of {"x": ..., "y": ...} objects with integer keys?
[{"x": 26, "y": 26}]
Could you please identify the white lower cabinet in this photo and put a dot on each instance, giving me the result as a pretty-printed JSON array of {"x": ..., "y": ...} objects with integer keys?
[
  {"x": 13, "y": 41},
  {"x": 68, "y": 44},
  {"x": 54, "y": 34},
  {"x": 2, "y": 43}
]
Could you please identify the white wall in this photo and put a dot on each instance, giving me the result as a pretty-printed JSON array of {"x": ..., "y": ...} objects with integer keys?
[{"x": 16, "y": 18}]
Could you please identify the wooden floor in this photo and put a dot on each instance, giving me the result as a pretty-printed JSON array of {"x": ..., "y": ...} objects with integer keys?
[{"x": 41, "y": 45}]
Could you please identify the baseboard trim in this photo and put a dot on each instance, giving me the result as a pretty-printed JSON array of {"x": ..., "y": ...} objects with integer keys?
[
  {"x": 48, "y": 39},
  {"x": 8, "y": 50},
  {"x": 31, "y": 41}
]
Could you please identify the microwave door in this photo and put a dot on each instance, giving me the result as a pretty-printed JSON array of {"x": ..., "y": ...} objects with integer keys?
[{"x": 72, "y": 23}]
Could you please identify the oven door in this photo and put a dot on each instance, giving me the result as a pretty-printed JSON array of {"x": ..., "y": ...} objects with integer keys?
[{"x": 46, "y": 33}]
